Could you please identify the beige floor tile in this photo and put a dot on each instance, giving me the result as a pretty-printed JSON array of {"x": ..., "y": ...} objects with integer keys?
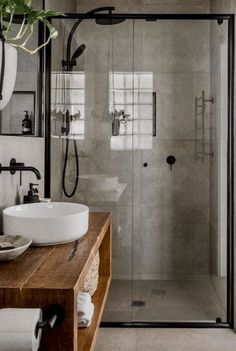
[
  {"x": 166, "y": 340},
  {"x": 117, "y": 340},
  {"x": 186, "y": 340}
]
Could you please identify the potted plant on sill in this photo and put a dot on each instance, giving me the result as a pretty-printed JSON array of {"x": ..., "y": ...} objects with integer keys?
[{"x": 9, "y": 43}]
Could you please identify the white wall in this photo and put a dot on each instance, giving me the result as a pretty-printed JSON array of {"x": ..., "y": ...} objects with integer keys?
[{"x": 24, "y": 149}]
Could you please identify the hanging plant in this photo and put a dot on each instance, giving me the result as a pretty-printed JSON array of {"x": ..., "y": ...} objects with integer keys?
[
  {"x": 8, "y": 53},
  {"x": 30, "y": 17}
]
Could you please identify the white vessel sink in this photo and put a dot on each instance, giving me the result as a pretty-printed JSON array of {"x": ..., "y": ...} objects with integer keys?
[{"x": 47, "y": 223}]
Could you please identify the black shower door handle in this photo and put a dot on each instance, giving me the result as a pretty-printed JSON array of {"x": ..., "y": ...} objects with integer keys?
[{"x": 154, "y": 114}]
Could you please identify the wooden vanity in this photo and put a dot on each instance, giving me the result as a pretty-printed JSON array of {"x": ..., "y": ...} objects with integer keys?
[{"x": 53, "y": 275}]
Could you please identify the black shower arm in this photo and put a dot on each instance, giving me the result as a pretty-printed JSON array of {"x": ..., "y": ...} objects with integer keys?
[{"x": 77, "y": 23}]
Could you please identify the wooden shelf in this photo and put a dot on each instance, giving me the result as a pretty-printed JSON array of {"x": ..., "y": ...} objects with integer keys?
[
  {"x": 43, "y": 276},
  {"x": 87, "y": 336}
]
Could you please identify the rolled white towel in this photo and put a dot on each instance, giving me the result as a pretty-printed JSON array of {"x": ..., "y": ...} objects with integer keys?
[
  {"x": 85, "y": 317},
  {"x": 83, "y": 301}
]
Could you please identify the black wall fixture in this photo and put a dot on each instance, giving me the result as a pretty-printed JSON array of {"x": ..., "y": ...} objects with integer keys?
[
  {"x": 229, "y": 18},
  {"x": 171, "y": 160}
]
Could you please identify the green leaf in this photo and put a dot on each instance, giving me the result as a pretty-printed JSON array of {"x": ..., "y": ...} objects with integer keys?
[
  {"x": 19, "y": 7},
  {"x": 9, "y": 8},
  {"x": 51, "y": 13},
  {"x": 4, "y": 27},
  {"x": 28, "y": 3},
  {"x": 53, "y": 33}
]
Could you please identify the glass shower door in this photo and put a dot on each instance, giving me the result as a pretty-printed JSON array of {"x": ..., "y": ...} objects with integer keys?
[
  {"x": 179, "y": 230},
  {"x": 148, "y": 107}
]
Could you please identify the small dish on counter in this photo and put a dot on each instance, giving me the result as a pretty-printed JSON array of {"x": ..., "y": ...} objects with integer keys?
[{"x": 12, "y": 246}]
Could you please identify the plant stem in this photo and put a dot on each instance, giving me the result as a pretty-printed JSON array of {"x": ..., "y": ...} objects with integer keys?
[
  {"x": 31, "y": 52},
  {"x": 30, "y": 34},
  {"x": 21, "y": 35},
  {"x": 1, "y": 20},
  {"x": 21, "y": 29},
  {"x": 41, "y": 46},
  {"x": 9, "y": 24}
]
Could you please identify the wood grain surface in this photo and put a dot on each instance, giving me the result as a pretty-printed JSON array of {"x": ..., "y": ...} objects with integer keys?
[{"x": 42, "y": 276}]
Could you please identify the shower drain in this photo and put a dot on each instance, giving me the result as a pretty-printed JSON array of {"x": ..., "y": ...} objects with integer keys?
[{"x": 138, "y": 303}]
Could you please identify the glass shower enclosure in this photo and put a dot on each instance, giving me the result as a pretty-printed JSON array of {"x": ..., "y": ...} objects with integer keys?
[{"x": 146, "y": 110}]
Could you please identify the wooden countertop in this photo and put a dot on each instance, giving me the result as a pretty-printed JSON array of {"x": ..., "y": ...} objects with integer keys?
[{"x": 54, "y": 266}]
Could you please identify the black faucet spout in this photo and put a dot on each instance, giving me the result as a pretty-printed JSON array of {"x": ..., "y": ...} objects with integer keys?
[{"x": 19, "y": 167}]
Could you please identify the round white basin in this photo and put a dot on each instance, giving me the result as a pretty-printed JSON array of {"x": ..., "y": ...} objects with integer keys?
[{"x": 47, "y": 223}]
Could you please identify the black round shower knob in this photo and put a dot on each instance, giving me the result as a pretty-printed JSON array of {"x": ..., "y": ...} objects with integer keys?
[
  {"x": 145, "y": 164},
  {"x": 171, "y": 160}
]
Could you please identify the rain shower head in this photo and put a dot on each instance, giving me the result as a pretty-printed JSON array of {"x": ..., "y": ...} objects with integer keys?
[
  {"x": 109, "y": 21},
  {"x": 70, "y": 62}
]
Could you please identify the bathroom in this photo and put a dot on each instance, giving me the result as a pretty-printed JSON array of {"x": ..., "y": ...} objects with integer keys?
[{"x": 137, "y": 121}]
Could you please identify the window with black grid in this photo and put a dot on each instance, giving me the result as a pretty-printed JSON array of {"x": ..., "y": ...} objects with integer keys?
[{"x": 132, "y": 93}]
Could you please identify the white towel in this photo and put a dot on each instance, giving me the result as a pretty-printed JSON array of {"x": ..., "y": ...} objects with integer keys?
[
  {"x": 85, "y": 309},
  {"x": 84, "y": 319},
  {"x": 83, "y": 300}
]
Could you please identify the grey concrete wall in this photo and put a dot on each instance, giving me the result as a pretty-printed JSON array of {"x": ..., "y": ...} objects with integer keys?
[
  {"x": 62, "y": 5},
  {"x": 161, "y": 218},
  {"x": 133, "y": 6},
  {"x": 147, "y": 6}
]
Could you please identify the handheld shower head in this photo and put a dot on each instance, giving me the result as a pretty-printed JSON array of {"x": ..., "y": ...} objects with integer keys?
[
  {"x": 78, "y": 52},
  {"x": 71, "y": 63}
]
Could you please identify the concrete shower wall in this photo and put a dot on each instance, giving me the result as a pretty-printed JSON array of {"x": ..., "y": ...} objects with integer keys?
[
  {"x": 147, "y": 6},
  {"x": 161, "y": 219},
  {"x": 177, "y": 6}
]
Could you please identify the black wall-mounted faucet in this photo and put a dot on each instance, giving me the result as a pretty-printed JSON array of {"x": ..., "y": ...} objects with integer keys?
[{"x": 16, "y": 167}]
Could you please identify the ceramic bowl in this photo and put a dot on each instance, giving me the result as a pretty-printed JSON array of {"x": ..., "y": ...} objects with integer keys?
[
  {"x": 47, "y": 223},
  {"x": 20, "y": 243}
]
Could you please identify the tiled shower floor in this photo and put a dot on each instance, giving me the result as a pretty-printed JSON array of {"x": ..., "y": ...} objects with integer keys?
[{"x": 166, "y": 300}]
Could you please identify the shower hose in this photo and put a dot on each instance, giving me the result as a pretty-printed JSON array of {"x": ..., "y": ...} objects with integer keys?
[{"x": 65, "y": 166}]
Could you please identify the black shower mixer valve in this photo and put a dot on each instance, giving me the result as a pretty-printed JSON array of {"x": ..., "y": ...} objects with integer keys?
[{"x": 171, "y": 160}]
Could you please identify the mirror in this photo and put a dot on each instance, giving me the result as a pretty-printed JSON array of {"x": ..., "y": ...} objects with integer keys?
[{"x": 27, "y": 95}]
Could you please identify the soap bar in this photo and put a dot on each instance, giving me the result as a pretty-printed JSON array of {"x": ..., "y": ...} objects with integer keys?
[{"x": 6, "y": 245}]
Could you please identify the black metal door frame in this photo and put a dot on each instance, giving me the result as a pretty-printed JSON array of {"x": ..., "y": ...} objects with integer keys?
[{"x": 230, "y": 157}]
